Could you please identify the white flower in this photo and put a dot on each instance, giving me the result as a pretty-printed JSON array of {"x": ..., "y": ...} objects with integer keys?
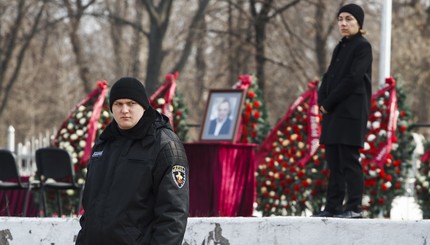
[
  {"x": 376, "y": 124},
  {"x": 426, "y": 184},
  {"x": 81, "y": 108},
  {"x": 301, "y": 145},
  {"x": 83, "y": 120},
  {"x": 79, "y": 115},
  {"x": 366, "y": 199},
  {"x": 81, "y": 181},
  {"x": 161, "y": 101},
  {"x": 377, "y": 114},
  {"x": 70, "y": 192},
  {"x": 388, "y": 184},
  {"x": 82, "y": 143},
  {"x": 106, "y": 114},
  {"x": 382, "y": 132},
  {"x": 372, "y": 173},
  {"x": 89, "y": 114},
  {"x": 69, "y": 125},
  {"x": 73, "y": 137},
  {"x": 371, "y": 137},
  {"x": 366, "y": 146},
  {"x": 79, "y": 132}
]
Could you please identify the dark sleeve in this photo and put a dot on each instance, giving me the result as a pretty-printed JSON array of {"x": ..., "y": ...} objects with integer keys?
[
  {"x": 322, "y": 91},
  {"x": 172, "y": 194},
  {"x": 353, "y": 79},
  {"x": 81, "y": 235}
]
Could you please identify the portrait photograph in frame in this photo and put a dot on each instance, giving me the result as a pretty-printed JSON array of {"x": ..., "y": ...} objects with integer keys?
[{"x": 222, "y": 115}]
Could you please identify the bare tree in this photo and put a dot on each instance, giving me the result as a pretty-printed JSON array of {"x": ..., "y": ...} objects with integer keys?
[
  {"x": 14, "y": 45},
  {"x": 193, "y": 32},
  {"x": 159, "y": 16},
  {"x": 262, "y": 12},
  {"x": 75, "y": 13},
  {"x": 410, "y": 59}
]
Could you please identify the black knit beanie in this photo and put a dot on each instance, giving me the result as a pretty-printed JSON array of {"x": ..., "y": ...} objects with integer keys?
[
  {"x": 129, "y": 88},
  {"x": 356, "y": 11}
]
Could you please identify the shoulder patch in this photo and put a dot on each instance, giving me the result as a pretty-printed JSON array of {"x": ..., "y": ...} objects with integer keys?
[
  {"x": 97, "y": 154},
  {"x": 179, "y": 176}
]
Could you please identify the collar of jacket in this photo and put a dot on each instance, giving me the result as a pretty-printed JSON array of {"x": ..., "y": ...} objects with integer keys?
[{"x": 350, "y": 38}]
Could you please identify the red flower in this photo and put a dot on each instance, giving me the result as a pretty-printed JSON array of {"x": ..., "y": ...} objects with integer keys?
[
  {"x": 257, "y": 104},
  {"x": 388, "y": 177},
  {"x": 251, "y": 94},
  {"x": 305, "y": 184},
  {"x": 396, "y": 163},
  {"x": 398, "y": 185},
  {"x": 257, "y": 114}
]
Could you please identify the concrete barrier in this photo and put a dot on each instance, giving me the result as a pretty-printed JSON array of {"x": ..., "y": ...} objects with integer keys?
[{"x": 264, "y": 231}]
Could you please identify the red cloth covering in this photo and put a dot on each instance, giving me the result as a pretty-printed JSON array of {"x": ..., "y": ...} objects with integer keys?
[
  {"x": 222, "y": 181},
  {"x": 16, "y": 202}
]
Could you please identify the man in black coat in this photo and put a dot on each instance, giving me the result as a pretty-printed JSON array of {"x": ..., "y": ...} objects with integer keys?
[
  {"x": 136, "y": 190},
  {"x": 344, "y": 99}
]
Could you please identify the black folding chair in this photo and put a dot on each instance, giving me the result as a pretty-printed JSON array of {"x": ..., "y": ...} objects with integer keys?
[
  {"x": 55, "y": 171},
  {"x": 11, "y": 180}
]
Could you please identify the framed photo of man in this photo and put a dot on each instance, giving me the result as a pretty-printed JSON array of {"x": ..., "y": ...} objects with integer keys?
[{"x": 222, "y": 115}]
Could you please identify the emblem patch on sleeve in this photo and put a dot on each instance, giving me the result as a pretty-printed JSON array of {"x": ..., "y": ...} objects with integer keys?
[{"x": 179, "y": 176}]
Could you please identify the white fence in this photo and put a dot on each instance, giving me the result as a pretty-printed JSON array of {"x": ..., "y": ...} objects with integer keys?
[{"x": 24, "y": 152}]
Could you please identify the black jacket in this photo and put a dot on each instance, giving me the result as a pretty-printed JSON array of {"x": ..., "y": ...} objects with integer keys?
[
  {"x": 345, "y": 93},
  {"x": 136, "y": 189}
]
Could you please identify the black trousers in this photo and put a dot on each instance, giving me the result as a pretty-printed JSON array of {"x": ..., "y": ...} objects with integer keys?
[{"x": 346, "y": 178}]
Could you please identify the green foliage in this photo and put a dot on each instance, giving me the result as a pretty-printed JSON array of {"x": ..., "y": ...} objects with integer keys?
[{"x": 179, "y": 116}]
